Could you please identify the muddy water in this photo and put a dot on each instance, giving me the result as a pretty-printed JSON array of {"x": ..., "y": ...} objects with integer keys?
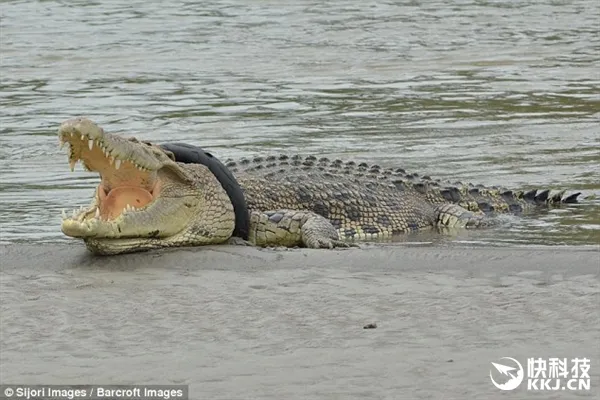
[{"x": 503, "y": 93}]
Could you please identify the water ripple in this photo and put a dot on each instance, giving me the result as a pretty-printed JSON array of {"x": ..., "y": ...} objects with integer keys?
[{"x": 493, "y": 92}]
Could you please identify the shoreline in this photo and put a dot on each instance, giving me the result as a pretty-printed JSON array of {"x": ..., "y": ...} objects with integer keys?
[
  {"x": 239, "y": 322},
  {"x": 420, "y": 254}
]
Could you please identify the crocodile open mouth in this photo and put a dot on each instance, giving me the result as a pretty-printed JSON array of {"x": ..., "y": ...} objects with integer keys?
[{"x": 125, "y": 184}]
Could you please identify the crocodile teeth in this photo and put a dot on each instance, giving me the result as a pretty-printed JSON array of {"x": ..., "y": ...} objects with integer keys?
[
  {"x": 82, "y": 137},
  {"x": 111, "y": 160},
  {"x": 117, "y": 164},
  {"x": 63, "y": 214},
  {"x": 74, "y": 214},
  {"x": 72, "y": 164},
  {"x": 97, "y": 215},
  {"x": 91, "y": 144}
]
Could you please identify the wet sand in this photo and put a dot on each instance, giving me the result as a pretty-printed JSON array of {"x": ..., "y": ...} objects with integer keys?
[{"x": 246, "y": 323}]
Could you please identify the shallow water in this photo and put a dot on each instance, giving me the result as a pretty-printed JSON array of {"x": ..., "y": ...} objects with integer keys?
[{"x": 495, "y": 92}]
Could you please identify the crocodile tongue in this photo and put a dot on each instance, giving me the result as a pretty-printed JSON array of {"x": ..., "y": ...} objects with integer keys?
[{"x": 112, "y": 204}]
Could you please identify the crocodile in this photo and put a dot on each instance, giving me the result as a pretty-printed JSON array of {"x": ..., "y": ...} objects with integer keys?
[{"x": 150, "y": 196}]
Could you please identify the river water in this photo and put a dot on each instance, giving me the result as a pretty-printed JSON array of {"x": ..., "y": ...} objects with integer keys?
[{"x": 494, "y": 92}]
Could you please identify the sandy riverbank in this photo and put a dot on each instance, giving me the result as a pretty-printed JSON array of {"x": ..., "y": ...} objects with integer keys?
[{"x": 240, "y": 323}]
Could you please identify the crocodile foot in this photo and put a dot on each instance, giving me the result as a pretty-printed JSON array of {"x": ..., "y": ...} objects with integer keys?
[
  {"x": 318, "y": 233},
  {"x": 454, "y": 216}
]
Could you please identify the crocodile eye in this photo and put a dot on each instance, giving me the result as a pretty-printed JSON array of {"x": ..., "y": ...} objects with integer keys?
[{"x": 170, "y": 155}]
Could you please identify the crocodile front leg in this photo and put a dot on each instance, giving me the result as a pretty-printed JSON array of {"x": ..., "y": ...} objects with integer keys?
[{"x": 291, "y": 228}]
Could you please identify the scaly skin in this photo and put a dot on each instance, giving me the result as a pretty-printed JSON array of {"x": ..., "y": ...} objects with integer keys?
[
  {"x": 146, "y": 200},
  {"x": 472, "y": 197}
]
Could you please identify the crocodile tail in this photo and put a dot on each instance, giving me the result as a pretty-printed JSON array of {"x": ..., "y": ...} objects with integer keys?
[
  {"x": 543, "y": 197},
  {"x": 493, "y": 199},
  {"x": 516, "y": 202}
]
